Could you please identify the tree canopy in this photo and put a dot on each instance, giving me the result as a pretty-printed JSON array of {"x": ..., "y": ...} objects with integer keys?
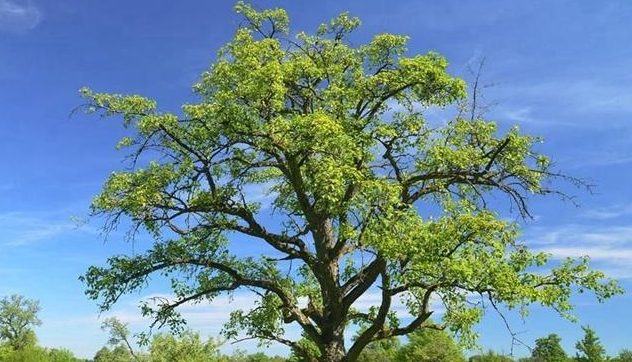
[
  {"x": 189, "y": 347},
  {"x": 321, "y": 151},
  {"x": 428, "y": 345},
  {"x": 491, "y": 356},
  {"x": 590, "y": 348},
  {"x": 548, "y": 349},
  {"x": 120, "y": 336},
  {"x": 117, "y": 354},
  {"x": 18, "y": 316},
  {"x": 625, "y": 355}
]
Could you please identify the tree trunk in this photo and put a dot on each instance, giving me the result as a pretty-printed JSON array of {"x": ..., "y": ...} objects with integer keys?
[{"x": 334, "y": 351}]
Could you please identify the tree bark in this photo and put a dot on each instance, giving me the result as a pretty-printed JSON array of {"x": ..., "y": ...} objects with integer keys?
[{"x": 334, "y": 351}]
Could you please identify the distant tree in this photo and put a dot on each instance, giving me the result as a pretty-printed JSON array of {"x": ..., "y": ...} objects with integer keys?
[
  {"x": 428, "y": 345},
  {"x": 262, "y": 357},
  {"x": 6, "y": 352},
  {"x": 117, "y": 354},
  {"x": 103, "y": 355},
  {"x": 18, "y": 316},
  {"x": 120, "y": 335},
  {"x": 61, "y": 355},
  {"x": 589, "y": 349},
  {"x": 335, "y": 134},
  {"x": 381, "y": 351},
  {"x": 548, "y": 349},
  {"x": 243, "y": 356},
  {"x": 187, "y": 347},
  {"x": 625, "y": 355},
  {"x": 490, "y": 356},
  {"x": 29, "y": 353},
  {"x": 237, "y": 356}
]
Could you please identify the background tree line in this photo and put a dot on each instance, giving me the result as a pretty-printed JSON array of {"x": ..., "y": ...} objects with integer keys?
[{"x": 18, "y": 343}]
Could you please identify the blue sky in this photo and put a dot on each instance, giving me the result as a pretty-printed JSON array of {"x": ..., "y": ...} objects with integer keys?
[{"x": 561, "y": 69}]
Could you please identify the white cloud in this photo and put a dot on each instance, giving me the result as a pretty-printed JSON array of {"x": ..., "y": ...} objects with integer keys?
[
  {"x": 609, "y": 247},
  {"x": 576, "y": 234},
  {"x": 595, "y": 252},
  {"x": 373, "y": 298},
  {"x": 611, "y": 212},
  {"x": 260, "y": 193},
  {"x": 7, "y": 187},
  {"x": 22, "y": 228},
  {"x": 586, "y": 95},
  {"x": 615, "y": 262},
  {"x": 19, "y": 15},
  {"x": 206, "y": 318},
  {"x": 600, "y": 158},
  {"x": 522, "y": 115}
]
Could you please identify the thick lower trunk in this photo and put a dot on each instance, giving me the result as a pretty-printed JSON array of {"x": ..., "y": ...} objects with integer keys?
[{"x": 334, "y": 352}]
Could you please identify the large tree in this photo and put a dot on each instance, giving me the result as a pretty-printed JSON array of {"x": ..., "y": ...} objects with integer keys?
[
  {"x": 320, "y": 151},
  {"x": 18, "y": 317}
]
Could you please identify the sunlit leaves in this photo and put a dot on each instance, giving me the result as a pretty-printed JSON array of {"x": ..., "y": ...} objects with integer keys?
[{"x": 334, "y": 142}]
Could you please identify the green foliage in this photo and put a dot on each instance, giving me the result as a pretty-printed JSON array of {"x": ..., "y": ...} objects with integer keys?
[
  {"x": 548, "y": 349},
  {"x": 589, "y": 349},
  {"x": 29, "y": 353},
  {"x": 428, "y": 345},
  {"x": 116, "y": 354},
  {"x": 256, "y": 357},
  {"x": 18, "y": 316},
  {"x": 336, "y": 136},
  {"x": 491, "y": 356},
  {"x": 5, "y": 352},
  {"x": 32, "y": 353},
  {"x": 625, "y": 355},
  {"x": 188, "y": 347},
  {"x": 305, "y": 351},
  {"x": 120, "y": 337},
  {"x": 60, "y": 355},
  {"x": 381, "y": 351}
]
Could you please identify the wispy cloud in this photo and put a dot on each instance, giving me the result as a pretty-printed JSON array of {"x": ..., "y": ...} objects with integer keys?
[
  {"x": 19, "y": 15},
  {"x": 206, "y": 318},
  {"x": 595, "y": 252},
  {"x": 260, "y": 193},
  {"x": 586, "y": 95},
  {"x": 609, "y": 247},
  {"x": 576, "y": 234},
  {"x": 23, "y": 228},
  {"x": 374, "y": 299},
  {"x": 521, "y": 115},
  {"x": 606, "y": 213},
  {"x": 209, "y": 317},
  {"x": 7, "y": 187},
  {"x": 600, "y": 159}
]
